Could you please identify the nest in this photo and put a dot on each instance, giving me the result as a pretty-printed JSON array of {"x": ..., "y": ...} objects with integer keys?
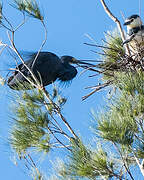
[{"x": 114, "y": 60}]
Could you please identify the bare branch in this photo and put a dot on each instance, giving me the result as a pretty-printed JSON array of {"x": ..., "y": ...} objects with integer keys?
[
  {"x": 141, "y": 165},
  {"x": 97, "y": 88},
  {"x": 21, "y": 24},
  {"x": 16, "y": 51},
  {"x": 107, "y": 10},
  {"x": 124, "y": 161},
  {"x": 59, "y": 113},
  {"x": 34, "y": 165},
  {"x": 14, "y": 69},
  {"x": 99, "y": 46},
  {"x": 58, "y": 140},
  {"x": 43, "y": 43}
]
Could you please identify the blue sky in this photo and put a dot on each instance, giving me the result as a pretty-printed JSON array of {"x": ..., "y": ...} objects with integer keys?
[{"x": 67, "y": 23}]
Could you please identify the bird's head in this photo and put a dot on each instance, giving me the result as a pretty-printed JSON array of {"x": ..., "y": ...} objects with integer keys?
[
  {"x": 72, "y": 60},
  {"x": 68, "y": 59},
  {"x": 133, "y": 21}
]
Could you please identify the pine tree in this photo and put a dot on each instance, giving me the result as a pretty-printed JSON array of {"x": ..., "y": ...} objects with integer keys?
[{"x": 118, "y": 130}]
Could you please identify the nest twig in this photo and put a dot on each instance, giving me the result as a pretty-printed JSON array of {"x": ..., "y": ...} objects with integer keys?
[
  {"x": 121, "y": 62},
  {"x": 96, "y": 89}
]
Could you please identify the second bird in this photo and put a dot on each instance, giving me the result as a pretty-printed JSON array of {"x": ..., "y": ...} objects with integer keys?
[{"x": 135, "y": 33}]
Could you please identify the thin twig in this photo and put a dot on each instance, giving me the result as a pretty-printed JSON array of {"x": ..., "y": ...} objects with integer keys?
[
  {"x": 34, "y": 165},
  {"x": 16, "y": 51},
  {"x": 65, "y": 135},
  {"x": 97, "y": 88},
  {"x": 8, "y": 23},
  {"x": 43, "y": 43},
  {"x": 139, "y": 7},
  {"x": 138, "y": 162},
  {"x": 59, "y": 113},
  {"x": 21, "y": 24},
  {"x": 6, "y": 27},
  {"x": 125, "y": 165},
  {"x": 14, "y": 69},
  {"x": 58, "y": 139},
  {"x": 99, "y": 46},
  {"x": 57, "y": 126}
]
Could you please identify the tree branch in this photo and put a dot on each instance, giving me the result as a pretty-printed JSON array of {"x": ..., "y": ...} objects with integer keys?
[
  {"x": 59, "y": 113},
  {"x": 96, "y": 88},
  {"x": 123, "y": 160},
  {"x": 43, "y": 43},
  {"x": 141, "y": 165},
  {"x": 115, "y": 19}
]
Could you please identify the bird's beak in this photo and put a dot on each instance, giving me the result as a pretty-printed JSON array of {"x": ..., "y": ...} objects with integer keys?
[
  {"x": 75, "y": 61},
  {"x": 127, "y": 22},
  {"x": 84, "y": 63}
]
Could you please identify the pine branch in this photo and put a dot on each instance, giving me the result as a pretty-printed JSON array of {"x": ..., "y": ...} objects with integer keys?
[
  {"x": 30, "y": 7},
  {"x": 63, "y": 145},
  {"x": 124, "y": 162},
  {"x": 59, "y": 113}
]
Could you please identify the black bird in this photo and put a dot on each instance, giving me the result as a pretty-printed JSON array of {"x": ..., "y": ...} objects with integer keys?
[{"x": 47, "y": 68}]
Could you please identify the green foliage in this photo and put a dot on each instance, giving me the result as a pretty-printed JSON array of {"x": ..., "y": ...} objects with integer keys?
[
  {"x": 121, "y": 121},
  {"x": 132, "y": 87},
  {"x": 33, "y": 120},
  {"x": 118, "y": 124},
  {"x": 30, "y": 125},
  {"x": 24, "y": 85},
  {"x": 113, "y": 47},
  {"x": 58, "y": 98},
  {"x": 35, "y": 97},
  {"x": 29, "y": 6},
  {"x": 112, "y": 54},
  {"x": 87, "y": 163},
  {"x": 131, "y": 82}
]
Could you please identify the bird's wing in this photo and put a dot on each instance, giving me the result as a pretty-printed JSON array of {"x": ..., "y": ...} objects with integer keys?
[
  {"x": 42, "y": 56},
  {"x": 67, "y": 73},
  {"x": 45, "y": 60},
  {"x": 47, "y": 67}
]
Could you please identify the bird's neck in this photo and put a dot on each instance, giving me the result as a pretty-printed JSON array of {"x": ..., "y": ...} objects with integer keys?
[
  {"x": 65, "y": 63},
  {"x": 134, "y": 29},
  {"x": 134, "y": 25}
]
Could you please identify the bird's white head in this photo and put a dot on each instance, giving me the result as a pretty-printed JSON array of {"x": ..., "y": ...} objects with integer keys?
[{"x": 133, "y": 21}]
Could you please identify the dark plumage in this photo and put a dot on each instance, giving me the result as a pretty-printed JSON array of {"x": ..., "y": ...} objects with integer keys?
[
  {"x": 134, "y": 16},
  {"x": 47, "y": 68},
  {"x": 130, "y": 19},
  {"x": 135, "y": 30}
]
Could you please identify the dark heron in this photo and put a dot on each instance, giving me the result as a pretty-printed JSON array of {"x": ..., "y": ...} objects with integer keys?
[{"x": 47, "y": 68}]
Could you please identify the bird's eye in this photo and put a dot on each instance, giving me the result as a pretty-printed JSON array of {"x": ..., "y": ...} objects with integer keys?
[{"x": 73, "y": 59}]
